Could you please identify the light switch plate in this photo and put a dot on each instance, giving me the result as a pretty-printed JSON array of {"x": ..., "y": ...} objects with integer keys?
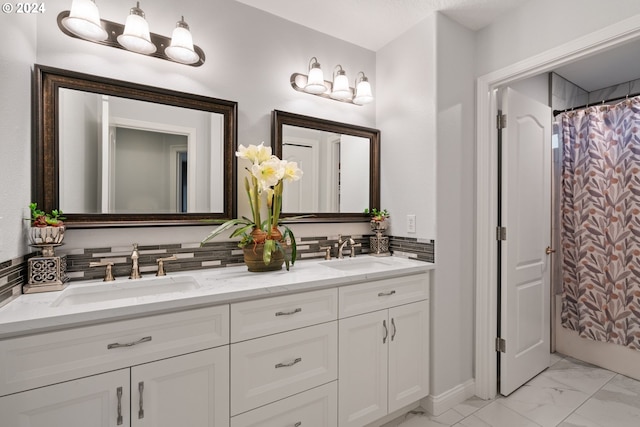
[{"x": 411, "y": 223}]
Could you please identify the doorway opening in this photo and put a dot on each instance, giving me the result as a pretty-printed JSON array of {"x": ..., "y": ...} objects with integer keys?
[{"x": 486, "y": 181}]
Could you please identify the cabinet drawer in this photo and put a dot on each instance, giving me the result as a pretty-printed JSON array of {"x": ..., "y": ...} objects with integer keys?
[
  {"x": 317, "y": 407},
  {"x": 48, "y": 358},
  {"x": 253, "y": 319},
  {"x": 381, "y": 294},
  {"x": 271, "y": 368}
]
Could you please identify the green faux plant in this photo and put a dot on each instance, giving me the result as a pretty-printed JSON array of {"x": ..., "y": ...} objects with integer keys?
[
  {"x": 377, "y": 215},
  {"x": 40, "y": 218}
]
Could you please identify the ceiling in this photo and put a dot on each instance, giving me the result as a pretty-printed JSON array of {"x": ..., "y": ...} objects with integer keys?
[
  {"x": 614, "y": 66},
  {"x": 372, "y": 24}
]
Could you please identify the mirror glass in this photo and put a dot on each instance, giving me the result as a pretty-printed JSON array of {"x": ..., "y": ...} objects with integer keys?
[
  {"x": 340, "y": 164},
  {"x": 112, "y": 155}
]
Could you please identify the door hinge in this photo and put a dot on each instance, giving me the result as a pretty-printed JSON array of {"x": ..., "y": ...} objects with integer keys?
[
  {"x": 501, "y": 345},
  {"x": 502, "y": 121},
  {"x": 501, "y": 233}
]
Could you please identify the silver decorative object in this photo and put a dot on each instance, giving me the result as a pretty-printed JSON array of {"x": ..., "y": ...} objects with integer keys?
[
  {"x": 46, "y": 235},
  {"x": 379, "y": 244},
  {"x": 47, "y": 272}
]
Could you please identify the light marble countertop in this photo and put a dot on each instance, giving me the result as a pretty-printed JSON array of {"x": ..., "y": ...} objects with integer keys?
[{"x": 35, "y": 313}]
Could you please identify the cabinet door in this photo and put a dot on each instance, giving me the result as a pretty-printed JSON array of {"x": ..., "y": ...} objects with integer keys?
[
  {"x": 190, "y": 390},
  {"x": 96, "y": 401},
  {"x": 408, "y": 354},
  {"x": 362, "y": 388}
]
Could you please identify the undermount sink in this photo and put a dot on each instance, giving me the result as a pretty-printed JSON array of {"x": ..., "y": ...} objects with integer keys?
[
  {"x": 122, "y": 289},
  {"x": 354, "y": 264}
]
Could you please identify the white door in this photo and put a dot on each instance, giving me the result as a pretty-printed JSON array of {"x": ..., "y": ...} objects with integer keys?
[
  {"x": 362, "y": 368},
  {"x": 96, "y": 401},
  {"x": 302, "y": 195},
  {"x": 525, "y": 212},
  {"x": 408, "y": 354},
  {"x": 190, "y": 390}
]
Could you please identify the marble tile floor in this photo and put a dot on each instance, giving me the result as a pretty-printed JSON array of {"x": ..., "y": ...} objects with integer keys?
[{"x": 570, "y": 393}]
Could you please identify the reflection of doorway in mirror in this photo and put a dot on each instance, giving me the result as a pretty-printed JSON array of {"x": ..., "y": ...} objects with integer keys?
[
  {"x": 146, "y": 171},
  {"x": 181, "y": 159},
  {"x": 144, "y": 168}
]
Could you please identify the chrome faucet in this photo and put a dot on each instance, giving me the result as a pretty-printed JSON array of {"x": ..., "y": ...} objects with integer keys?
[
  {"x": 135, "y": 268},
  {"x": 342, "y": 244}
]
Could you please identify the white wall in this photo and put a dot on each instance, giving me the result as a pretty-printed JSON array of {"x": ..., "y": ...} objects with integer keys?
[
  {"x": 15, "y": 127},
  {"x": 453, "y": 291},
  {"x": 540, "y": 25},
  {"x": 536, "y": 87},
  {"x": 79, "y": 171},
  {"x": 426, "y": 114},
  {"x": 406, "y": 112},
  {"x": 250, "y": 56}
]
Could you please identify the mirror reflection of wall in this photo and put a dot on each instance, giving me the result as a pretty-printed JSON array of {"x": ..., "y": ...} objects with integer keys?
[
  {"x": 172, "y": 162},
  {"x": 336, "y": 171},
  {"x": 148, "y": 177}
]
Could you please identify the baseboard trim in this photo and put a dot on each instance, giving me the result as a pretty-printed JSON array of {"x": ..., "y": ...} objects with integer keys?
[{"x": 441, "y": 403}]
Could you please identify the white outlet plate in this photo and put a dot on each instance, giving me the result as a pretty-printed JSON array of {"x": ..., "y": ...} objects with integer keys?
[{"x": 411, "y": 223}]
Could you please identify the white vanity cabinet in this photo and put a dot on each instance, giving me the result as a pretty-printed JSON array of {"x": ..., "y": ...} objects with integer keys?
[
  {"x": 334, "y": 348},
  {"x": 92, "y": 376},
  {"x": 384, "y": 348}
]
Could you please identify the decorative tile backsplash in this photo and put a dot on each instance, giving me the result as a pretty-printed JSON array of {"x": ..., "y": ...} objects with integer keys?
[
  {"x": 13, "y": 274},
  {"x": 191, "y": 256}
]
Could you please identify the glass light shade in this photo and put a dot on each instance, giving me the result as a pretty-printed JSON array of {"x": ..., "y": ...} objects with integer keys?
[
  {"x": 181, "y": 47},
  {"x": 315, "y": 80},
  {"x": 341, "y": 88},
  {"x": 84, "y": 21},
  {"x": 136, "y": 36},
  {"x": 363, "y": 92}
]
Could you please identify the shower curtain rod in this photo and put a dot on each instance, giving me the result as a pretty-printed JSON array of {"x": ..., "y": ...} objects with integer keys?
[{"x": 604, "y": 101}]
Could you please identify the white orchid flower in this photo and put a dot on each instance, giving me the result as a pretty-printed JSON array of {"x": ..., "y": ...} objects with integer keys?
[
  {"x": 254, "y": 153},
  {"x": 268, "y": 172},
  {"x": 291, "y": 171}
]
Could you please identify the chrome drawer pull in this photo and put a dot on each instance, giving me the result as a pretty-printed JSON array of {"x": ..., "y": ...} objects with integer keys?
[
  {"x": 141, "y": 409},
  {"x": 298, "y": 424},
  {"x": 386, "y": 294},
  {"x": 288, "y": 313},
  {"x": 119, "y": 394},
  {"x": 129, "y": 344},
  {"x": 386, "y": 331},
  {"x": 393, "y": 334},
  {"x": 286, "y": 365}
]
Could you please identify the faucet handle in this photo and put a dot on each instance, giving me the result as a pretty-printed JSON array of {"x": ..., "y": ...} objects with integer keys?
[
  {"x": 108, "y": 272},
  {"x": 161, "y": 261},
  {"x": 327, "y": 254},
  {"x": 354, "y": 245}
]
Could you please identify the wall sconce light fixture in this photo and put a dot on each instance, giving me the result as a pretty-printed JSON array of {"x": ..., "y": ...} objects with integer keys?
[
  {"x": 338, "y": 89},
  {"x": 83, "y": 21}
]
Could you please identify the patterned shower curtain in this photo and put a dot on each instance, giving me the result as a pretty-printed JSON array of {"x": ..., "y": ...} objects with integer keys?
[{"x": 601, "y": 223}]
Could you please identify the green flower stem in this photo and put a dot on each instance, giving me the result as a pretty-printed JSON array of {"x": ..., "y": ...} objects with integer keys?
[{"x": 256, "y": 202}]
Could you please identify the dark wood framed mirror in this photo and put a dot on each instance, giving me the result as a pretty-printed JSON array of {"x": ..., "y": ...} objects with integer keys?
[
  {"x": 113, "y": 153},
  {"x": 341, "y": 165}
]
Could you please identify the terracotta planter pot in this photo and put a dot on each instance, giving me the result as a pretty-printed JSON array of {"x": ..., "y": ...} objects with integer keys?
[{"x": 254, "y": 261}]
